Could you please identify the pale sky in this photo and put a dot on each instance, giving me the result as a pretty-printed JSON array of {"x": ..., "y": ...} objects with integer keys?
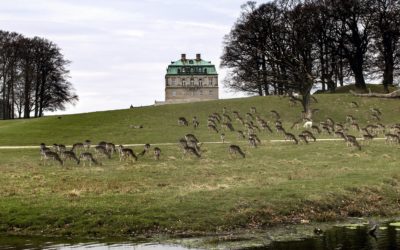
[{"x": 120, "y": 49}]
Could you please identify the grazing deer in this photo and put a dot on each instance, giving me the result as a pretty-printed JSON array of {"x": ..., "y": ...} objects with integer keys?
[
  {"x": 350, "y": 119},
  {"x": 190, "y": 150},
  {"x": 375, "y": 117},
  {"x": 252, "y": 142},
  {"x": 195, "y": 122},
  {"x": 327, "y": 129},
  {"x": 87, "y": 144},
  {"x": 78, "y": 147},
  {"x": 55, "y": 147},
  {"x": 253, "y": 110},
  {"x": 128, "y": 153},
  {"x": 275, "y": 114},
  {"x": 101, "y": 150},
  {"x": 291, "y": 137},
  {"x": 255, "y": 138},
  {"x": 119, "y": 150},
  {"x": 227, "y": 125},
  {"x": 211, "y": 122},
  {"x": 145, "y": 150},
  {"x": 308, "y": 134},
  {"x": 376, "y": 111},
  {"x": 157, "y": 153},
  {"x": 212, "y": 128},
  {"x": 235, "y": 149},
  {"x": 50, "y": 155},
  {"x": 368, "y": 137},
  {"x": 110, "y": 148},
  {"x": 215, "y": 118},
  {"x": 189, "y": 137},
  {"x": 265, "y": 126},
  {"x": 316, "y": 129},
  {"x": 43, "y": 150},
  {"x": 194, "y": 144},
  {"x": 182, "y": 121},
  {"x": 240, "y": 119},
  {"x": 226, "y": 118},
  {"x": 354, "y": 105},
  {"x": 330, "y": 122},
  {"x": 86, "y": 156},
  {"x": 70, "y": 155},
  {"x": 249, "y": 116},
  {"x": 217, "y": 115},
  {"x": 355, "y": 126},
  {"x": 240, "y": 134},
  {"x": 341, "y": 134},
  {"x": 350, "y": 139},
  {"x": 303, "y": 138},
  {"x": 392, "y": 138},
  {"x": 61, "y": 148},
  {"x": 354, "y": 143},
  {"x": 280, "y": 129}
]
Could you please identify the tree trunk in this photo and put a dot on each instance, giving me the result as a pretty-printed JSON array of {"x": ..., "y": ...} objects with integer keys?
[
  {"x": 27, "y": 91},
  {"x": 356, "y": 65},
  {"x": 389, "y": 63}
]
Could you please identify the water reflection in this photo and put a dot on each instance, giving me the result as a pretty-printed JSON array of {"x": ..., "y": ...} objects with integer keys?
[
  {"x": 355, "y": 237},
  {"x": 345, "y": 238},
  {"x": 24, "y": 243}
]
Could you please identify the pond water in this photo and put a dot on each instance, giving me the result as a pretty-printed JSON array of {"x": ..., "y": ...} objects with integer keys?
[{"x": 349, "y": 237}]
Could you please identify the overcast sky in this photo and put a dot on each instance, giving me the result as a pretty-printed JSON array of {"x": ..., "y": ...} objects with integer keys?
[{"x": 120, "y": 48}]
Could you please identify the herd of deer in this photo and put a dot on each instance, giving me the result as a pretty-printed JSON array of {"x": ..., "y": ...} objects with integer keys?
[
  {"x": 252, "y": 122},
  {"x": 59, "y": 152}
]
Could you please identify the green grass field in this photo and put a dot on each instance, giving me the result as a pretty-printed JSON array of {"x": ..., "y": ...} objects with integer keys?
[{"x": 276, "y": 183}]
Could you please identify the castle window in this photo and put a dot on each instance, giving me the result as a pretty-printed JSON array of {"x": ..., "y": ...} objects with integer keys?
[
  {"x": 210, "y": 81},
  {"x": 191, "y": 81},
  {"x": 183, "y": 82},
  {"x": 173, "y": 81},
  {"x": 200, "y": 82},
  {"x": 190, "y": 61},
  {"x": 210, "y": 92},
  {"x": 179, "y": 71},
  {"x": 201, "y": 92},
  {"x": 205, "y": 71},
  {"x": 174, "y": 93}
]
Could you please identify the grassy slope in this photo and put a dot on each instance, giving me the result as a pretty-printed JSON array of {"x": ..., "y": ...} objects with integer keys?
[{"x": 275, "y": 183}]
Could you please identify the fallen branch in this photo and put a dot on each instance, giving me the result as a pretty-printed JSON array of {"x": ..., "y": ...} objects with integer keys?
[{"x": 394, "y": 94}]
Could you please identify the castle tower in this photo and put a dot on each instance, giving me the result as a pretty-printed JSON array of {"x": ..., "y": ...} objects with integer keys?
[{"x": 189, "y": 80}]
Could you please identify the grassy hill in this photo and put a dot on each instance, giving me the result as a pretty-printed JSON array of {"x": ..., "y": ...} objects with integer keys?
[
  {"x": 160, "y": 122},
  {"x": 276, "y": 182}
]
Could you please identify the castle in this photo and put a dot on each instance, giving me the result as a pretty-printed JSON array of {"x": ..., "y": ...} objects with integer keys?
[{"x": 189, "y": 80}]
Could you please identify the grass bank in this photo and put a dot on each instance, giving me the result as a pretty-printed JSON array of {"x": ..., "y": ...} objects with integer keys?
[{"x": 276, "y": 183}]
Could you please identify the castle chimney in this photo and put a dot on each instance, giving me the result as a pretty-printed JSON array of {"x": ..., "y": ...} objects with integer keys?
[
  {"x": 183, "y": 57},
  {"x": 198, "y": 57}
]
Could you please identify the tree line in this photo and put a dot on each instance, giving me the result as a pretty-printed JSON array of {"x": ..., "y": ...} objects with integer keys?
[
  {"x": 33, "y": 77},
  {"x": 293, "y": 45}
]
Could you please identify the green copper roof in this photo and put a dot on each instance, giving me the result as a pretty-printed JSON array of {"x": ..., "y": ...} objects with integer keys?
[{"x": 191, "y": 67}]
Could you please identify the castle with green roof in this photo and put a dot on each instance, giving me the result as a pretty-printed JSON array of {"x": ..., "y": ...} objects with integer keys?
[{"x": 189, "y": 80}]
